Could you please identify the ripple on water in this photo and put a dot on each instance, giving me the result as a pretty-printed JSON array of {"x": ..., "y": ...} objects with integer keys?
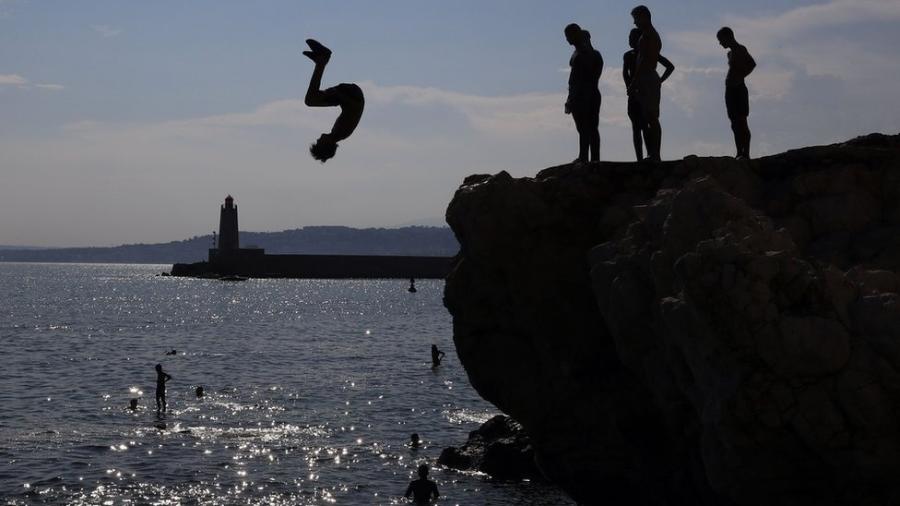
[{"x": 302, "y": 406}]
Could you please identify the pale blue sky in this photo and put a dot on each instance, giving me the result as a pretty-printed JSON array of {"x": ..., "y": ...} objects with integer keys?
[{"x": 130, "y": 121}]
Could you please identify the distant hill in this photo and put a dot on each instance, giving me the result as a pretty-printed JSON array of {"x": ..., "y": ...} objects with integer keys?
[{"x": 416, "y": 241}]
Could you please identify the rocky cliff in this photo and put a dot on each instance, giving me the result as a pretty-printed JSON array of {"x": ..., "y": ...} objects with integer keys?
[{"x": 704, "y": 331}]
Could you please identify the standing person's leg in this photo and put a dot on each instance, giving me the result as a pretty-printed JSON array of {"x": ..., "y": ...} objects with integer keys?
[
  {"x": 594, "y": 131},
  {"x": 637, "y": 127},
  {"x": 746, "y": 139},
  {"x": 637, "y": 137},
  {"x": 649, "y": 98},
  {"x": 737, "y": 105},
  {"x": 741, "y": 136},
  {"x": 581, "y": 125}
]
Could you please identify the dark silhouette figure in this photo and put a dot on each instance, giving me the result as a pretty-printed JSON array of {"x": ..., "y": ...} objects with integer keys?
[
  {"x": 412, "y": 286},
  {"x": 349, "y": 97},
  {"x": 161, "y": 379},
  {"x": 629, "y": 63},
  {"x": 436, "y": 356},
  {"x": 646, "y": 83},
  {"x": 199, "y": 392},
  {"x": 173, "y": 352},
  {"x": 583, "y": 102},
  {"x": 423, "y": 490},
  {"x": 737, "y": 99},
  {"x": 133, "y": 404},
  {"x": 414, "y": 441}
]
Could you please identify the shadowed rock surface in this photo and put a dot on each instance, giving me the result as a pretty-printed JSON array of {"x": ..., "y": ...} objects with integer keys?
[
  {"x": 499, "y": 448},
  {"x": 703, "y": 331}
]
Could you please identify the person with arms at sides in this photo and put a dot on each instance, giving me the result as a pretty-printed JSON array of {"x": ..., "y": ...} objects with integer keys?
[
  {"x": 583, "y": 102},
  {"x": 737, "y": 98}
]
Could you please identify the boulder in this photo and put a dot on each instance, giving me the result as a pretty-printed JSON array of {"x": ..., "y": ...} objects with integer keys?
[{"x": 704, "y": 331}]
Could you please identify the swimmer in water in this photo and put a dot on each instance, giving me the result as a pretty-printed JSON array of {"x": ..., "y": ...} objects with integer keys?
[
  {"x": 436, "y": 356},
  {"x": 414, "y": 441},
  {"x": 199, "y": 391},
  {"x": 133, "y": 404},
  {"x": 412, "y": 285},
  {"x": 347, "y": 96},
  {"x": 161, "y": 379},
  {"x": 423, "y": 489}
]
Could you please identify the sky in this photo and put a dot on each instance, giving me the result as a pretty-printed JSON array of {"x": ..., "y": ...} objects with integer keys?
[{"x": 129, "y": 122}]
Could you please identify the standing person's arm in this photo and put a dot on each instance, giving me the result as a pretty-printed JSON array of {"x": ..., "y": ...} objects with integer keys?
[
  {"x": 409, "y": 491},
  {"x": 668, "y": 66},
  {"x": 626, "y": 71},
  {"x": 434, "y": 490},
  {"x": 751, "y": 63}
]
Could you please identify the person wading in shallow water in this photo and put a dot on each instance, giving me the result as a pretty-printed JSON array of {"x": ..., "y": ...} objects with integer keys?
[
  {"x": 423, "y": 490},
  {"x": 349, "y": 97},
  {"x": 436, "y": 356},
  {"x": 737, "y": 99},
  {"x": 161, "y": 379}
]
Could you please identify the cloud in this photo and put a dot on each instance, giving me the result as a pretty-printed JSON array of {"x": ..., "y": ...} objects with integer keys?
[
  {"x": 106, "y": 31},
  {"x": 12, "y": 80},
  {"x": 50, "y": 87},
  {"x": 22, "y": 83},
  {"x": 809, "y": 38}
]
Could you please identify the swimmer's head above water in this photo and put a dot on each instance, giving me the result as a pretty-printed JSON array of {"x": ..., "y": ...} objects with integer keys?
[{"x": 324, "y": 148}]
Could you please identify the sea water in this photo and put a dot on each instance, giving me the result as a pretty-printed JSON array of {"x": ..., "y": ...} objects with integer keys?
[{"x": 313, "y": 388}]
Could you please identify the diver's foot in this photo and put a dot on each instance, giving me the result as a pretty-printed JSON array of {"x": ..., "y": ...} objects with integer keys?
[
  {"x": 310, "y": 55},
  {"x": 322, "y": 54}
]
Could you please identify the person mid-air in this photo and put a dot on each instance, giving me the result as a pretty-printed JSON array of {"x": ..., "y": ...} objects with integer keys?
[{"x": 347, "y": 96}]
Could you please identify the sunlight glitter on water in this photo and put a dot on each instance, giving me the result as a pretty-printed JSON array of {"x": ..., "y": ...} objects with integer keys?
[{"x": 300, "y": 406}]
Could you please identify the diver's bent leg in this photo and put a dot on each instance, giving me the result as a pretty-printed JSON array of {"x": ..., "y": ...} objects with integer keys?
[{"x": 314, "y": 95}]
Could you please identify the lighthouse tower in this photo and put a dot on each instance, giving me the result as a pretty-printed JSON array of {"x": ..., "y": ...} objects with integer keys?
[{"x": 228, "y": 226}]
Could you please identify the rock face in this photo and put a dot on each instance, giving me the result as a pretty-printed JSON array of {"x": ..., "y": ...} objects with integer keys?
[
  {"x": 499, "y": 448},
  {"x": 706, "y": 331}
]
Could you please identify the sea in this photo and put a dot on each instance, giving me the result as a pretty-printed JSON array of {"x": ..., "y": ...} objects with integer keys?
[{"x": 312, "y": 390}]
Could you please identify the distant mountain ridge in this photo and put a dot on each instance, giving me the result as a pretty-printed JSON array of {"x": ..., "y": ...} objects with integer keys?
[{"x": 334, "y": 240}]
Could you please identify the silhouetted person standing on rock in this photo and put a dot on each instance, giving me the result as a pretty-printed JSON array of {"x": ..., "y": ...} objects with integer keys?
[
  {"x": 646, "y": 84},
  {"x": 349, "y": 97},
  {"x": 583, "y": 102},
  {"x": 737, "y": 98},
  {"x": 629, "y": 62},
  {"x": 436, "y": 356},
  {"x": 423, "y": 490},
  {"x": 161, "y": 379}
]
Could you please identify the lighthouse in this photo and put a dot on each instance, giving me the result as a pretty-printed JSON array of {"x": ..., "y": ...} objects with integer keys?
[{"x": 228, "y": 226}]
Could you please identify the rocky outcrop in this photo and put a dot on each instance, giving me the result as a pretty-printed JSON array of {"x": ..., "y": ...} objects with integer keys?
[
  {"x": 705, "y": 331},
  {"x": 499, "y": 448}
]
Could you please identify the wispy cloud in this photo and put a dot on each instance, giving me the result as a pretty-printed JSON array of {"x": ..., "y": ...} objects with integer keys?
[
  {"x": 22, "y": 83},
  {"x": 50, "y": 86},
  {"x": 106, "y": 31},
  {"x": 805, "y": 37},
  {"x": 12, "y": 80}
]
